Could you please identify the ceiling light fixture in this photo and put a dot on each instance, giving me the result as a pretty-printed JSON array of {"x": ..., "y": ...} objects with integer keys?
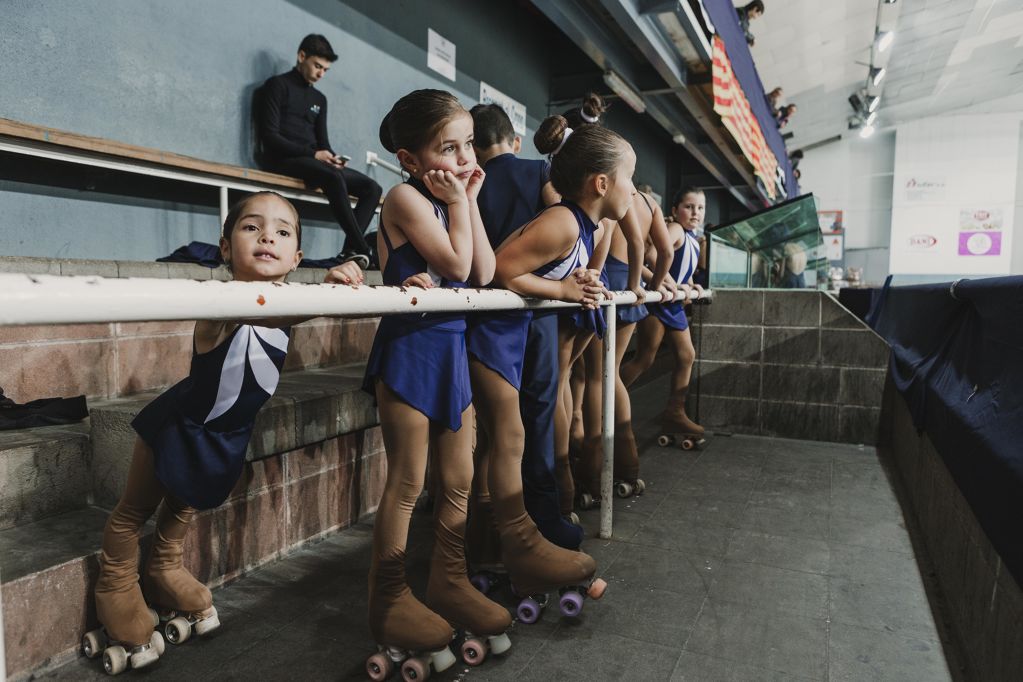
[
  {"x": 877, "y": 74},
  {"x": 870, "y": 119},
  {"x": 678, "y": 138},
  {"x": 623, "y": 90},
  {"x": 872, "y": 103},
  {"x": 866, "y": 131},
  {"x": 884, "y": 40}
]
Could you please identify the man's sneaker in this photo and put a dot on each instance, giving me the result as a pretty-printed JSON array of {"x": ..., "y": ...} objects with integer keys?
[{"x": 360, "y": 259}]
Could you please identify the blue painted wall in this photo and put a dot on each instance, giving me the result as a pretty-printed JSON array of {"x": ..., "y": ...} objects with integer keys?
[{"x": 178, "y": 76}]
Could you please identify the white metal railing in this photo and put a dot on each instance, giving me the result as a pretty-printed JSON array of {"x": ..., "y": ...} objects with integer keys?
[
  {"x": 373, "y": 159},
  {"x": 53, "y": 299}
]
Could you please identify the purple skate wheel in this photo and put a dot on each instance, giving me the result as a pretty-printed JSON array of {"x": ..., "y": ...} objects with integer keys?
[
  {"x": 528, "y": 611},
  {"x": 571, "y": 603},
  {"x": 481, "y": 582}
]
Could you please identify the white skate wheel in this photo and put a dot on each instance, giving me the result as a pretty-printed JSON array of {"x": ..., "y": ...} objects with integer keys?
[
  {"x": 586, "y": 501},
  {"x": 442, "y": 659},
  {"x": 157, "y": 642},
  {"x": 178, "y": 630},
  {"x": 209, "y": 623},
  {"x": 574, "y": 518},
  {"x": 688, "y": 444},
  {"x": 141, "y": 659},
  {"x": 93, "y": 643},
  {"x": 115, "y": 660},
  {"x": 623, "y": 489},
  {"x": 664, "y": 441},
  {"x": 500, "y": 643},
  {"x": 640, "y": 486}
]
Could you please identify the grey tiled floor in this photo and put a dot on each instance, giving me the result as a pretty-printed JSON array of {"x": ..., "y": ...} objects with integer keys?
[{"x": 754, "y": 559}]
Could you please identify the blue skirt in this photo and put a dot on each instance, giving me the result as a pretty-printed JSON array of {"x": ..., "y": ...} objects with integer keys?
[
  {"x": 427, "y": 367},
  {"x": 592, "y": 320},
  {"x": 672, "y": 315},
  {"x": 498, "y": 340},
  {"x": 618, "y": 280},
  {"x": 197, "y": 465}
]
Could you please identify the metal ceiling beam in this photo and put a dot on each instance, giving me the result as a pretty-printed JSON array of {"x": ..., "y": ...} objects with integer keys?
[
  {"x": 664, "y": 57},
  {"x": 602, "y": 48}
]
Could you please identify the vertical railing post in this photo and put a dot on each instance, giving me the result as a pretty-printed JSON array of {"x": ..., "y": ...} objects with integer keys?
[
  {"x": 3, "y": 634},
  {"x": 223, "y": 205},
  {"x": 608, "y": 423}
]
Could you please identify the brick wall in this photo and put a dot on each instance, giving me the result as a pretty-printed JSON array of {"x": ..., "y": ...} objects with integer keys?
[{"x": 793, "y": 364}]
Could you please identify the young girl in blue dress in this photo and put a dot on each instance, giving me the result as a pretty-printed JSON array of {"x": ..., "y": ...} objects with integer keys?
[
  {"x": 191, "y": 448},
  {"x": 668, "y": 320},
  {"x": 644, "y": 222},
  {"x": 418, "y": 370}
]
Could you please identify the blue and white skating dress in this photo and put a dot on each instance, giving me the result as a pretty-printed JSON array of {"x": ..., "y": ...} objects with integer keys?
[
  {"x": 500, "y": 342},
  {"x": 673, "y": 314},
  {"x": 421, "y": 357},
  {"x": 510, "y": 198},
  {"x": 618, "y": 280},
  {"x": 587, "y": 319},
  {"x": 199, "y": 429}
]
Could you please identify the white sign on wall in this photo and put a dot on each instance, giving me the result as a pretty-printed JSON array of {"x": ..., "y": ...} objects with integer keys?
[
  {"x": 440, "y": 54},
  {"x": 954, "y": 195},
  {"x": 516, "y": 111}
]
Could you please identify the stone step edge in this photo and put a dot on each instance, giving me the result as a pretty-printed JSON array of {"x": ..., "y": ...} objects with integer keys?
[{"x": 32, "y": 265}]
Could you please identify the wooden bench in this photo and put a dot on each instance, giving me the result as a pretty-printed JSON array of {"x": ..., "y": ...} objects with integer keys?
[{"x": 59, "y": 145}]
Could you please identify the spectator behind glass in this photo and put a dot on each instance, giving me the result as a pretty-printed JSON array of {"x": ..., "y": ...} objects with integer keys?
[
  {"x": 747, "y": 13},
  {"x": 785, "y": 113},
  {"x": 291, "y": 116},
  {"x": 795, "y": 157},
  {"x": 774, "y": 100}
]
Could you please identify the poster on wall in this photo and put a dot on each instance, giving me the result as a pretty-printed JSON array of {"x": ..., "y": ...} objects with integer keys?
[
  {"x": 980, "y": 232},
  {"x": 954, "y": 196},
  {"x": 440, "y": 54},
  {"x": 515, "y": 110},
  {"x": 830, "y": 221},
  {"x": 834, "y": 245}
]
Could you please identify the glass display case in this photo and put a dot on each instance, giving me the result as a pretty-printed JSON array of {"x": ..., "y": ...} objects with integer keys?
[{"x": 778, "y": 248}]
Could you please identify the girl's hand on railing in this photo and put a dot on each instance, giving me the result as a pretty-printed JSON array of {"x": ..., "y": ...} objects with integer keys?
[
  {"x": 472, "y": 188},
  {"x": 421, "y": 280},
  {"x": 640, "y": 295},
  {"x": 346, "y": 273},
  {"x": 578, "y": 291},
  {"x": 699, "y": 291},
  {"x": 587, "y": 275},
  {"x": 444, "y": 185},
  {"x": 668, "y": 290}
]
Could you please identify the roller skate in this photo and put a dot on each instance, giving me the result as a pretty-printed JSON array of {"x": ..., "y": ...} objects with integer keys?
[
  {"x": 116, "y": 644},
  {"x": 677, "y": 428},
  {"x": 185, "y": 605},
  {"x": 483, "y": 548},
  {"x": 409, "y": 636},
  {"x": 127, "y": 638},
  {"x": 587, "y": 473},
  {"x": 537, "y": 567},
  {"x": 626, "y": 465}
]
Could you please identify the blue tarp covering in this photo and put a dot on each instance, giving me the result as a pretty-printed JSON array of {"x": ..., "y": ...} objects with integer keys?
[
  {"x": 957, "y": 358},
  {"x": 726, "y": 22}
]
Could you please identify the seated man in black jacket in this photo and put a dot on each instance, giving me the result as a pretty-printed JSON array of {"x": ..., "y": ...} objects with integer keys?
[{"x": 292, "y": 121}]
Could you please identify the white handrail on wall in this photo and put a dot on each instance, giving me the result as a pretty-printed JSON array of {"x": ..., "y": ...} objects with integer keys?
[
  {"x": 53, "y": 299},
  {"x": 373, "y": 159}
]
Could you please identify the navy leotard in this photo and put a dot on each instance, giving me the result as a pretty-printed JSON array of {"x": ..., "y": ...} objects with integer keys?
[
  {"x": 199, "y": 429},
  {"x": 587, "y": 319},
  {"x": 673, "y": 314},
  {"x": 421, "y": 357},
  {"x": 510, "y": 198}
]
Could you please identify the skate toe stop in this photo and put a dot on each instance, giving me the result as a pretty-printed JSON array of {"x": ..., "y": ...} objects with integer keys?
[{"x": 597, "y": 588}]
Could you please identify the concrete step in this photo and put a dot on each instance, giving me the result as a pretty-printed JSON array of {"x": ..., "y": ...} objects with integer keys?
[
  {"x": 121, "y": 359},
  {"x": 316, "y": 465},
  {"x": 43, "y": 471}
]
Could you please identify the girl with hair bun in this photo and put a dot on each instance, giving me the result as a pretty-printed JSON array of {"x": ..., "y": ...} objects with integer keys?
[
  {"x": 668, "y": 320},
  {"x": 430, "y": 235},
  {"x": 588, "y": 113}
]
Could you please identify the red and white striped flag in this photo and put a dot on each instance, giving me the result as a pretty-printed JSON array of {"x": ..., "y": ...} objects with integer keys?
[{"x": 732, "y": 106}]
